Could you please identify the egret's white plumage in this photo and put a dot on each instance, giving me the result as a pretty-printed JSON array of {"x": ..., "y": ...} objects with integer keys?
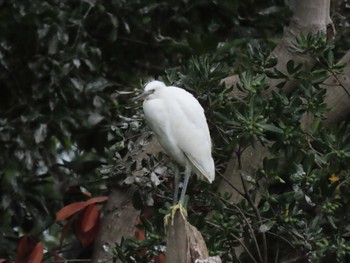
[{"x": 179, "y": 123}]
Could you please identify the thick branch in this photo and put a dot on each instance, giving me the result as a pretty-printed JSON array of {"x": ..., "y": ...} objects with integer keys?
[{"x": 186, "y": 244}]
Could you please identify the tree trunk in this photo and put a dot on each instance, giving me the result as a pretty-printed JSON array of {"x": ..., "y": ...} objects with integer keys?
[
  {"x": 301, "y": 22},
  {"x": 119, "y": 221},
  {"x": 120, "y": 216}
]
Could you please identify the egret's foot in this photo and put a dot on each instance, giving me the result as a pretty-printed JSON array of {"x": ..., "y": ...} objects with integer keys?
[{"x": 172, "y": 212}]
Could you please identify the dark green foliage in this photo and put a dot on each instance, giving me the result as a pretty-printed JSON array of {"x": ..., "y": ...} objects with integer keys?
[
  {"x": 302, "y": 187},
  {"x": 67, "y": 72},
  {"x": 66, "y": 68}
]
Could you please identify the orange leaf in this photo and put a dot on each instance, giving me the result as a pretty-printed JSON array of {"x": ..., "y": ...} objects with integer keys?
[
  {"x": 91, "y": 215},
  {"x": 99, "y": 199},
  {"x": 69, "y": 210},
  {"x": 37, "y": 254}
]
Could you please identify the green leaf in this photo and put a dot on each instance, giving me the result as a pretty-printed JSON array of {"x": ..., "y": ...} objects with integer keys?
[
  {"x": 147, "y": 224},
  {"x": 271, "y": 62},
  {"x": 247, "y": 177},
  {"x": 280, "y": 96},
  {"x": 266, "y": 226},
  {"x": 309, "y": 162},
  {"x": 278, "y": 178},
  {"x": 137, "y": 200},
  {"x": 270, "y": 127},
  {"x": 290, "y": 67},
  {"x": 266, "y": 207},
  {"x": 281, "y": 84},
  {"x": 320, "y": 78},
  {"x": 280, "y": 74},
  {"x": 315, "y": 125},
  {"x": 331, "y": 221},
  {"x": 271, "y": 74},
  {"x": 330, "y": 58}
]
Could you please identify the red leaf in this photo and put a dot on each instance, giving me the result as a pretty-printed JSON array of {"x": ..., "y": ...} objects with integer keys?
[
  {"x": 87, "y": 193},
  {"x": 91, "y": 216},
  {"x": 69, "y": 210},
  {"x": 24, "y": 248},
  {"x": 146, "y": 213},
  {"x": 91, "y": 235},
  {"x": 86, "y": 238},
  {"x": 160, "y": 258},
  {"x": 99, "y": 199},
  {"x": 139, "y": 232},
  {"x": 37, "y": 254},
  {"x": 2, "y": 260}
]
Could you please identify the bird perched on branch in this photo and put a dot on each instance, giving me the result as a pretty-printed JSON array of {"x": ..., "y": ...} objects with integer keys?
[{"x": 179, "y": 123}]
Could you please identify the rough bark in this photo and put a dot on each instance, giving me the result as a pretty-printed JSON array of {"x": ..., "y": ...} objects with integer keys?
[
  {"x": 118, "y": 221},
  {"x": 255, "y": 156},
  {"x": 337, "y": 98}
]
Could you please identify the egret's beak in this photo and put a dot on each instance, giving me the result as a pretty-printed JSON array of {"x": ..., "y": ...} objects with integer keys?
[{"x": 142, "y": 96}]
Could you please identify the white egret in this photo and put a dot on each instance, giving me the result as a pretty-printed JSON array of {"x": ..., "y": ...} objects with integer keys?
[{"x": 179, "y": 123}]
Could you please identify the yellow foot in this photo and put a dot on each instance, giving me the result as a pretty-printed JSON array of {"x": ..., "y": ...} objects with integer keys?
[{"x": 171, "y": 215}]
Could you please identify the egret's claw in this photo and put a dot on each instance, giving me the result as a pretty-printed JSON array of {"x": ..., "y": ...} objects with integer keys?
[{"x": 171, "y": 215}]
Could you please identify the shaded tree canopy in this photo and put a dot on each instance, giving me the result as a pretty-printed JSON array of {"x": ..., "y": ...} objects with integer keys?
[{"x": 67, "y": 125}]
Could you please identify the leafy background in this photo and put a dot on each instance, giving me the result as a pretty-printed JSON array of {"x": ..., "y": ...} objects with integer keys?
[{"x": 68, "y": 71}]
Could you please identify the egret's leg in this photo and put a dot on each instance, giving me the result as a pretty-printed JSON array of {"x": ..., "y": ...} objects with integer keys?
[
  {"x": 184, "y": 187},
  {"x": 176, "y": 184},
  {"x": 179, "y": 205}
]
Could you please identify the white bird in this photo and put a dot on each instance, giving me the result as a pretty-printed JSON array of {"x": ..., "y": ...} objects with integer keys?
[{"x": 179, "y": 123}]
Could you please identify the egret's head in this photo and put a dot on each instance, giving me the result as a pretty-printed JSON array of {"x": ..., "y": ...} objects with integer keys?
[
  {"x": 150, "y": 88},
  {"x": 154, "y": 85}
]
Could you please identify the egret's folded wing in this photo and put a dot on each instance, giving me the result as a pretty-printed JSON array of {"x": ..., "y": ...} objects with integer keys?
[{"x": 199, "y": 168}]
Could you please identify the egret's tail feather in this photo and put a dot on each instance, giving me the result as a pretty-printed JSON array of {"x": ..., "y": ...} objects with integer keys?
[{"x": 199, "y": 169}]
